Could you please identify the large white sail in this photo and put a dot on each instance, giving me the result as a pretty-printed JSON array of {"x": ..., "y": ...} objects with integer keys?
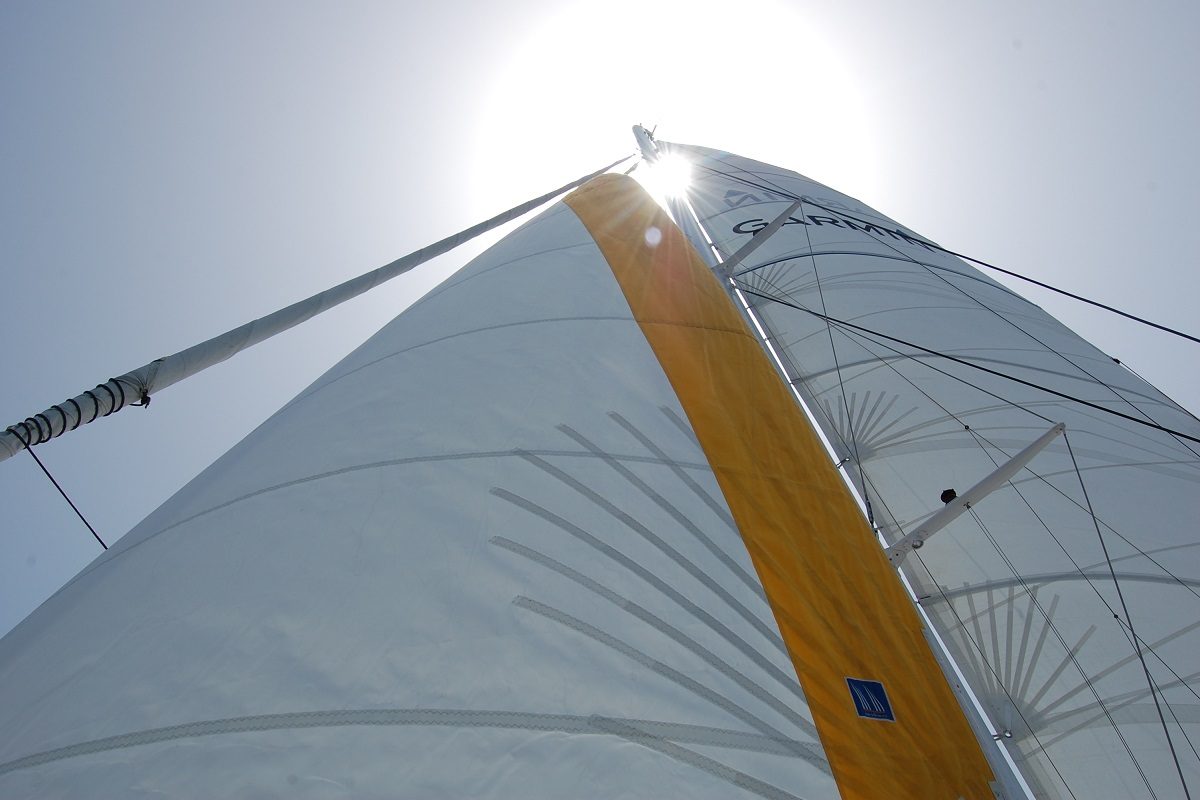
[
  {"x": 926, "y": 374},
  {"x": 558, "y": 530},
  {"x": 491, "y": 554}
]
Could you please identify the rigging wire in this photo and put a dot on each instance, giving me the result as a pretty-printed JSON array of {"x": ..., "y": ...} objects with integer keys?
[
  {"x": 999, "y": 682},
  {"x": 780, "y": 190},
  {"x": 1128, "y": 619},
  {"x": 777, "y": 189},
  {"x": 838, "y": 367},
  {"x": 1133, "y": 639},
  {"x": 973, "y": 365},
  {"x": 1131, "y": 635},
  {"x": 1067, "y": 649},
  {"x": 1039, "y": 477},
  {"x": 1072, "y": 295},
  {"x": 74, "y": 508}
]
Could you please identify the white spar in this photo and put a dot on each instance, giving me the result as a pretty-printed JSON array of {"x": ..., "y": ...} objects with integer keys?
[{"x": 136, "y": 386}]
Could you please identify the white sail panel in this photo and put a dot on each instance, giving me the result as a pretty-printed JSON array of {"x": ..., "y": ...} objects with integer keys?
[
  {"x": 868, "y": 317},
  {"x": 482, "y": 556}
]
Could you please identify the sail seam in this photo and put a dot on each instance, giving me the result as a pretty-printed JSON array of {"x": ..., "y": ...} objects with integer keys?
[
  {"x": 433, "y": 717},
  {"x": 1149, "y": 420},
  {"x": 1129, "y": 621}
]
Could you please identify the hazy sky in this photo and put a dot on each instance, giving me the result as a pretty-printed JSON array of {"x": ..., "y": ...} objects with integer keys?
[{"x": 171, "y": 170}]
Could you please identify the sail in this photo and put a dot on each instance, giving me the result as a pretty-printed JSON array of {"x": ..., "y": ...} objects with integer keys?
[
  {"x": 1060, "y": 591},
  {"x": 503, "y": 549}
]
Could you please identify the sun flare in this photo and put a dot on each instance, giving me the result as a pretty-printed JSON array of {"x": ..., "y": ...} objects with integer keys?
[
  {"x": 564, "y": 98},
  {"x": 670, "y": 176}
]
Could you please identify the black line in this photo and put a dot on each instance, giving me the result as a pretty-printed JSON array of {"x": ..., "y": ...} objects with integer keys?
[
  {"x": 973, "y": 365},
  {"x": 1129, "y": 621},
  {"x": 29, "y": 449}
]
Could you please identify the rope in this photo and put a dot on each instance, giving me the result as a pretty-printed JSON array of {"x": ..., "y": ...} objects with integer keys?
[{"x": 74, "y": 508}]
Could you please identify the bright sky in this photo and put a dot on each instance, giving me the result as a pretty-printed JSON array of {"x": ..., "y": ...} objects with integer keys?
[{"x": 171, "y": 170}]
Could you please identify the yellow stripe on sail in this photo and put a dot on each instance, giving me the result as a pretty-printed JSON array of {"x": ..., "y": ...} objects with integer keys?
[{"x": 840, "y": 606}]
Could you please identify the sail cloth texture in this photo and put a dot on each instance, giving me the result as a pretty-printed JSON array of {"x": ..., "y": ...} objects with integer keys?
[
  {"x": 483, "y": 556},
  {"x": 1020, "y": 589},
  {"x": 842, "y": 611},
  {"x": 136, "y": 386}
]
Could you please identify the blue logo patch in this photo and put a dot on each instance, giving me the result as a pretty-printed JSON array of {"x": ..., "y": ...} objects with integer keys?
[{"x": 870, "y": 700}]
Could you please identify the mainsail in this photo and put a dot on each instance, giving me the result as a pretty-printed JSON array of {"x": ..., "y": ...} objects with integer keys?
[{"x": 559, "y": 530}]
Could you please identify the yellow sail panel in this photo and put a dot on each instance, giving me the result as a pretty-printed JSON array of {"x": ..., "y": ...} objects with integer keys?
[{"x": 888, "y": 721}]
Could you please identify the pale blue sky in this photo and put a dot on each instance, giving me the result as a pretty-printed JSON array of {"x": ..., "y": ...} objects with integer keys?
[{"x": 170, "y": 170}]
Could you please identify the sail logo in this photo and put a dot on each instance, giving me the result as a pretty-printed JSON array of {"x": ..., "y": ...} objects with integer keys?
[
  {"x": 753, "y": 226},
  {"x": 735, "y": 198},
  {"x": 870, "y": 699}
]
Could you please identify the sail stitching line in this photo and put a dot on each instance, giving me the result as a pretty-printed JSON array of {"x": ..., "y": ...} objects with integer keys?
[
  {"x": 1151, "y": 422},
  {"x": 395, "y": 462},
  {"x": 615, "y": 555},
  {"x": 1088, "y": 578},
  {"x": 841, "y": 381},
  {"x": 669, "y": 508},
  {"x": 1129, "y": 622},
  {"x": 973, "y": 365},
  {"x": 789, "y": 195},
  {"x": 662, "y": 546},
  {"x": 1130, "y": 634},
  {"x": 665, "y": 628},
  {"x": 1071, "y": 652},
  {"x": 1020, "y": 406},
  {"x": 720, "y": 511},
  {"x": 670, "y": 673},
  {"x": 984, "y": 659},
  {"x": 433, "y": 717}
]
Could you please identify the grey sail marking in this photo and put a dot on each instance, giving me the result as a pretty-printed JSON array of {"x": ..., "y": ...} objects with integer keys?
[
  {"x": 1008, "y": 321},
  {"x": 867, "y": 254},
  {"x": 850, "y": 415},
  {"x": 1123, "y": 707},
  {"x": 1001, "y": 365},
  {"x": 1086, "y": 573},
  {"x": 434, "y": 717},
  {"x": 1153, "y": 646},
  {"x": 871, "y": 435},
  {"x": 708, "y": 500},
  {"x": 668, "y": 507},
  {"x": 1037, "y": 714},
  {"x": 121, "y": 549},
  {"x": 670, "y": 631},
  {"x": 448, "y": 337},
  {"x": 804, "y": 751},
  {"x": 683, "y": 427},
  {"x": 713, "y": 767},
  {"x": 654, "y": 581},
  {"x": 660, "y": 544}
]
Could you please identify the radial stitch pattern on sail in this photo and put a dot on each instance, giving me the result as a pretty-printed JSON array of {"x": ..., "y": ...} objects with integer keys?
[
  {"x": 1020, "y": 589},
  {"x": 483, "y": 556},
  {"x": 843, "y": 613}
]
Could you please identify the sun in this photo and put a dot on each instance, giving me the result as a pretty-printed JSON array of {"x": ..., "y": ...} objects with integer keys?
[
  {"x": 670, "y": 176},
  {"x": 759, "y": 78}
]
